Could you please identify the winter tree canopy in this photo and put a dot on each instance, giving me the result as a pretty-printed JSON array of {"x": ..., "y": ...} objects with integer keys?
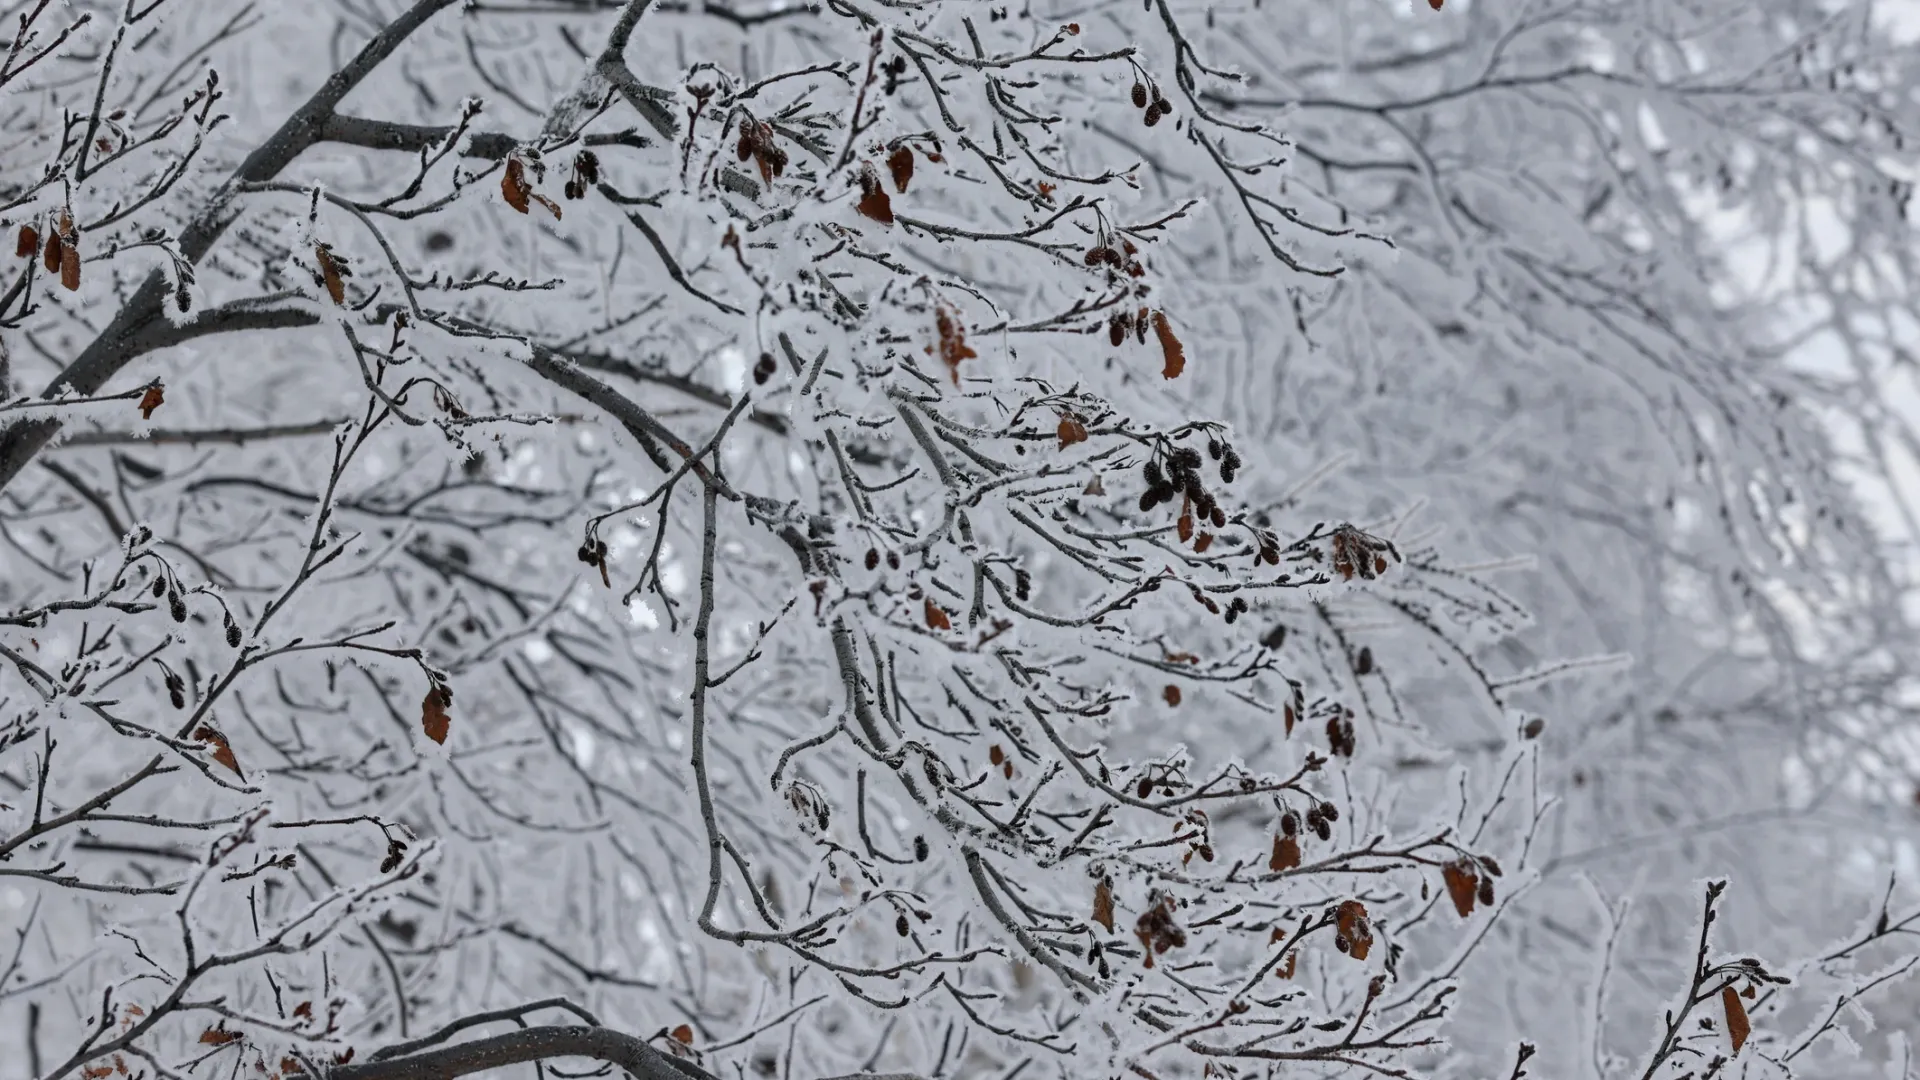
[{"x": 950, "y": 539}]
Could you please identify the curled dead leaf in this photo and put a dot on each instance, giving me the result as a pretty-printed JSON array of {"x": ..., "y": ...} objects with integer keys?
[
  {"x": 1353, "y": 934},
  {"x": 900, "y": 164},
  {"x": 1176, "y": 354},
  {"x": 222, "y": 752},
  {"x": 1071, "y": 431},
  {"x": 683, "y": 1035},
  {"x": 874, "y": 202},
  {"x": 953, "y": 340},
  {"x": 434, "y": 719},
  {"x": 514, "y": 187},
  {"x": 1286, "y": 854},
  {"x": 1463, "y": 882},
  {"x": 330, "y": 274},
  {"x": 1738, "y": 1027},
  {"x": 937, "y": 617},
  {"x": 151, "y": 400},
  {"x": 1103, "y": 903}
]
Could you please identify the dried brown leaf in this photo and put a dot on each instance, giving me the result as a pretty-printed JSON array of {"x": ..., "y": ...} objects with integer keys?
[
  {"x": 1462, "y": 883},
  {"x": 1171, "y": 695},
  {"x": 151, "y": 400},
  {"x": 214, "y": 1036},
  {"x": 1176, "y": 354},
  {"x": 1286, "y": 854},
  {"x": 1351, "y": 926},
  {"x": 683, "y": 1035},
  {"x": 514, "y": 187},
  {"x": 552, "y": 207},
  {"x": 874, "y": 202},
  {"x": 937, "y": 617},
  {"x": 70, "y": 268},
  {"x": 953, "y": 340},
  {"x": 28, "y": 245},
  {"x": 54, "y": 251},
  {"x": 900, "y": 164},
  {"x": 1738, "y": 1027},
  {"x": 330, "y": 274},
  {"x": 222, "y": 750},
  {"x": 1103, "y": 904},
  {"x": 1071, "y": 431},
  {"x": 433, "y": 713}
]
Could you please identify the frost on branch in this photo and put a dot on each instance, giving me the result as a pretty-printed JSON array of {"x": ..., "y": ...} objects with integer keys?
[{"x": 1035, "y": 663}]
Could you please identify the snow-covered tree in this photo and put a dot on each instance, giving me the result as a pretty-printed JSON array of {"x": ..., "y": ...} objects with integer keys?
[{"x": 942, "y": 539}]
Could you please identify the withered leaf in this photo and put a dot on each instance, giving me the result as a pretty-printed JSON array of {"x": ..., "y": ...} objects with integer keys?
[
  {"x": 683, "y": 1035},
  {"x": 1292, "y": 963},
  {"x": 1738, "y": 1028},
  {"x": 1071, "y": 431},
  {"x": 874, "y": 202},
  {"x": 54, "y": 252},
  {"x": 1352, "y": 929},
  {"x": 95, "y": 1072},
  {"x": 953, "y": 340},
  {"x": 995, "y": 754},
  {"x": 222, "y": 753},
  {"x": 552, "y": 207},
  {"x": 1462, "y": 883},
  {"x": 900, "y": 164},
  {"x": 70, "y": 268},
  {"x": 1103, "y": 903},
  {"x": 1172, "y": 695},
  {"x": 28, "y": 244},
  {"x": 330, "y": 274},
  {"x": 1186, "y": 525},
  {"x": 1202, "y": 542},
  {"x": 433, "y": 713},
  {"x": 151, "y": 400},
  {"x": 937, "y": 617},
  {"x": 1286, "y": 854},
  {"x": 1176, "y": 354},
  {"x": 214, "y": 1036},
  {"x": 514, "y": 187}
]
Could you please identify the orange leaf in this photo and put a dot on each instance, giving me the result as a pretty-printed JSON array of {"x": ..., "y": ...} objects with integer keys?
[
  {"x": 953, "y": 340},
  {"x": 330, "y": 273},
  {"x": 95, "y": 1072},
  {"x": 433, "y": 712},
  {"x": 514, "y": 187},
  {"x": 222, "y": 750},
  {"x": 150, "y": 401},
  {"x": 900, "y": 164},
  {"x": 1737, "y": 1026},
  {"x": 1462, "y": 883},
  {"x": 683, "y": 1035},
  {"x": 1286, "y": 854},
  {"x": 937, "y": 617},
  {"x": 1071, "y": 431},
  {"x": 1202, "y": 542},
  {"x": 1170, "y": 345},
  {"x": 1172, "y": 695},
  {"x": 1186, "y": 525}
]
